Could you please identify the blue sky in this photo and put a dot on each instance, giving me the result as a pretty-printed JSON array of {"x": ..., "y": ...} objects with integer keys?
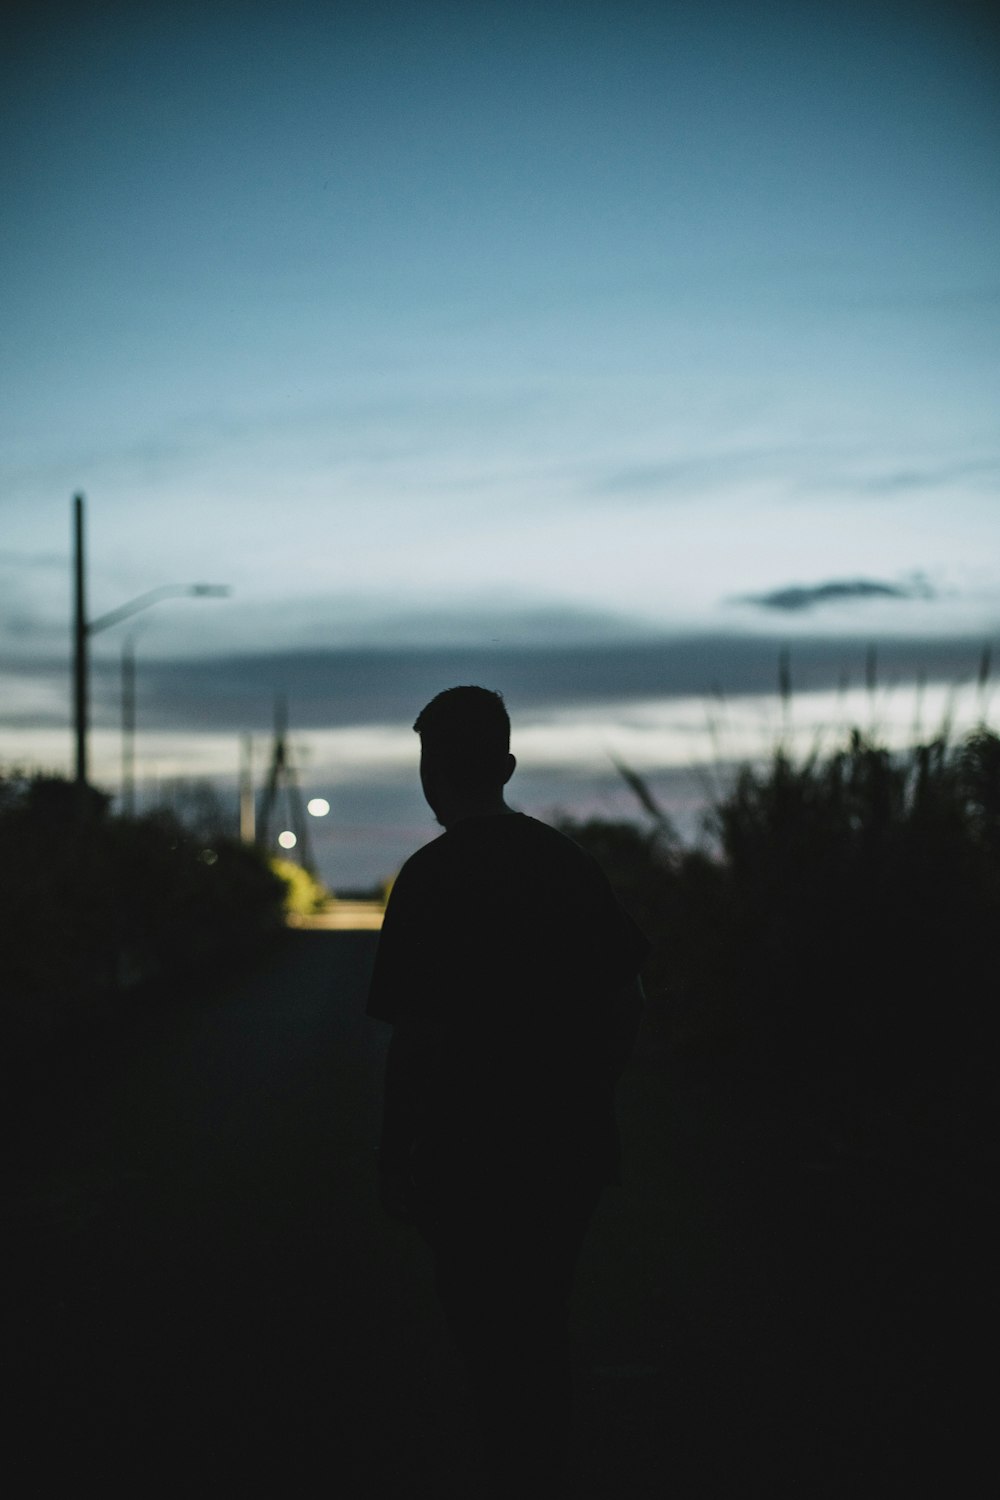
[{"x": 494, "y": 325}]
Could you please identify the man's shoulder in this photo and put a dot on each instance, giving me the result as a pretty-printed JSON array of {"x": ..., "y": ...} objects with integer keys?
[
  {"x": 517, "y": 835},
  {"x": 427, "y": 854},
  {"x": 555, "y": 838},
  {"x": 556, "y": 845},
  {"x": 420, "y": 867},
  {"x": 495, "y": 851},
  {"x": 541, "y": 858},
  {"x": 526, "y": 829}
]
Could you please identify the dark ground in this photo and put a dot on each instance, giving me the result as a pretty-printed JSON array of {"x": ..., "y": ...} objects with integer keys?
[{"x": 202, "y": 1295}]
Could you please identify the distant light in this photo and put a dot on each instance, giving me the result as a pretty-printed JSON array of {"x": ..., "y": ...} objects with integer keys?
[
  {"x": 318, "y": 806},
  {"x": 287, "y": 839}
]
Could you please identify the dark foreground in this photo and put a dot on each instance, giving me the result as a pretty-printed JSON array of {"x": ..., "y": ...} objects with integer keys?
[{"x": 202, "y": 1296}]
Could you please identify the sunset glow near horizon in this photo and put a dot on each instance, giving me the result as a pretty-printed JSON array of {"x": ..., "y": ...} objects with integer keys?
[{"x": 486, "y": 330}]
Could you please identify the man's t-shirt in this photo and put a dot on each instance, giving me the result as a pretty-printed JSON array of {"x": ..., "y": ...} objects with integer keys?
[{"x": 507, "y": 935}]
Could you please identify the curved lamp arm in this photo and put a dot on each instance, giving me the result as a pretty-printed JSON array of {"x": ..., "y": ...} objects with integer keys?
[{"x": 165, "y": 591}]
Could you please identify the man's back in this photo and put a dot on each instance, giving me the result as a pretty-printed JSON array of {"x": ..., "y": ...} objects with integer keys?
[{"x": 506, "y": 935}]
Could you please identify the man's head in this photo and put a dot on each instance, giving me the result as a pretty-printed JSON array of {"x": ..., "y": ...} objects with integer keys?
[{"x": 465, "y": 759}]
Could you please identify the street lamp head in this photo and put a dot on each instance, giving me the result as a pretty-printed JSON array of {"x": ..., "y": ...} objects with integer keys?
[{"x": 210, "y": 590}]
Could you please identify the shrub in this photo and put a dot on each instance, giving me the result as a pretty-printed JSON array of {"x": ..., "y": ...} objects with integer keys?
[
  {"x": 94, "y": 904},
  {"x": 304, "y": 894}
]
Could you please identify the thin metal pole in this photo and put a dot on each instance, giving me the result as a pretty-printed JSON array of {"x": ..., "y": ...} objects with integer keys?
[
  {"x": 275, "y": 775},
  {"x": 79, "y": 644},
  {"x": 128, "y": 727},
  {"x": 247, "y": 819}
]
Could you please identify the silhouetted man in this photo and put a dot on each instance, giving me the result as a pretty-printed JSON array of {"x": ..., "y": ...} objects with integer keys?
[{"x": 508, "y": 971}]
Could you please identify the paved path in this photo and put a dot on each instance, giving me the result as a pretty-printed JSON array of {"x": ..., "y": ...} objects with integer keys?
[
  {"x": 343, "y": 916},
  {"x": 203, "y": 1292},
  {"x": 203, "y": 1297}
]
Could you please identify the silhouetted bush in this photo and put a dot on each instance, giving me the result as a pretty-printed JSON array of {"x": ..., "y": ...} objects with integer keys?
[
  {"x": 864, "y": 894},
  {"x": 95, "y": 905},
  {"x": 304, "y": 893},
  {"x": 838, "y": 947}
]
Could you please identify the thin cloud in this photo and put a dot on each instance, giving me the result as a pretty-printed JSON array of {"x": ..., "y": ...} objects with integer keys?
[
  {"x": 796, "y": 598},
  {"x": 9, "y": 558},
  {"x": 908, "y": 479},
  {"x": 928, "y": 478},
  {"x": 643, "y": 479},
  {"x": 339, "y": 688},
  {"x": 372, "y": 428},
  {"x": 686, "y": 474},
  {"x": 804, "y": 470}
]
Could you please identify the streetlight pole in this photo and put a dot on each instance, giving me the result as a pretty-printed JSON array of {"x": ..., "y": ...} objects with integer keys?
[
  {"x": 128, "y": 725},
  {"x": 79, "y": 644},
  {"x": 83, "y": 629},
  {"x": 248, "y": 827}
]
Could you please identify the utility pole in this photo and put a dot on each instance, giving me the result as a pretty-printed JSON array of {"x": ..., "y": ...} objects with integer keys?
[
  {"x": 128, "y": 726},
  {"x": 83, "y": 629},
  {"x": 281, "y": 774},
  {"x": 79, "y": 645},
  {"x": 247, "y": 810}
]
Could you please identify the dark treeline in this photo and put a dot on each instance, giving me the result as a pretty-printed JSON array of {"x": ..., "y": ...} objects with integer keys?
[
  {"x": 831, "y": 951},
  {"x": 95, "y": 908}
]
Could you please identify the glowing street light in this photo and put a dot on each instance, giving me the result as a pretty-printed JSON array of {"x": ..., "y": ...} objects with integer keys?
[
  {"x": 287, "y": 839},
  {"x": 318, "y": 806}
]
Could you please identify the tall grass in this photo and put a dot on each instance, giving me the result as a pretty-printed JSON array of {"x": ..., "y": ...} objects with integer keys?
[{"x": 836, "y": 940}]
